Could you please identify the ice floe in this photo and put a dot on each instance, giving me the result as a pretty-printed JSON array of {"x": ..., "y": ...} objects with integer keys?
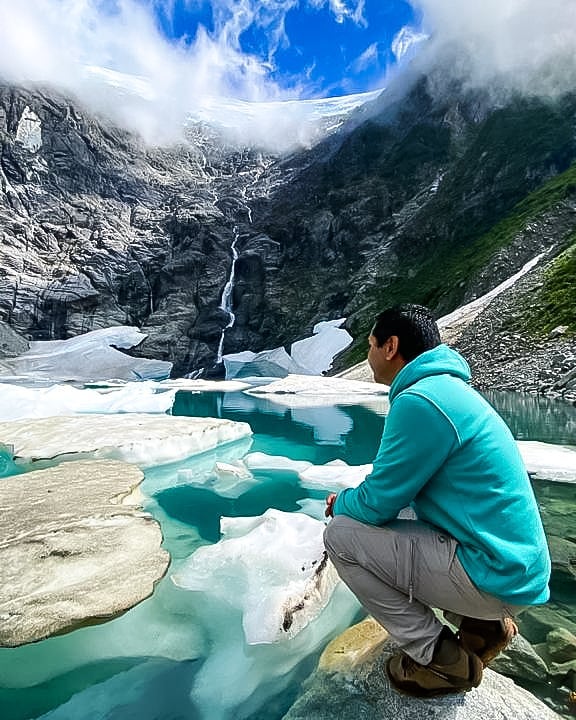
[
  {"x": 316, "y": 354},
  {"x": 273, "y": 567},
  {"x": 75, "y": 546},
  {"x": 89, "y": 357},
  {"x": 302, "y": 390},
  {"x": 543, "y": 461},
  {"x": 145, "y": 440},
  {"x": 204, "y": 385},
  {"x": 18, "y": 402},
  {"x": 310, "y": 356},
  {"x": 332, "y": 476},
  {"x": 211, "y": 470},
  {"x": 549, "y": 462}
]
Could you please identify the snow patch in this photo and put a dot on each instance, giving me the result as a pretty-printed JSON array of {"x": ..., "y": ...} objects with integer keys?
[
  {"x": 29, "y": 130},
  {"x": 88, "y": 358}
]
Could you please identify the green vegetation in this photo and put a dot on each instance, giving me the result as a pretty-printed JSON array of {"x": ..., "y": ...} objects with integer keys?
[
  {"x": 440, "y": 282},
  {"x": 556, "y": 301}
]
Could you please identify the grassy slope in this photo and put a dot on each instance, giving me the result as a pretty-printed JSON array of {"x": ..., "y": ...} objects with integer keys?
[
  {"x": 444, "y": 275},
  {"x": 556, "y": 300}
]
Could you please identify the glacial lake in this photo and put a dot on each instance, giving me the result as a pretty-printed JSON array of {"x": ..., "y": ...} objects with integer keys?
[{"x": 176, "y": 656}]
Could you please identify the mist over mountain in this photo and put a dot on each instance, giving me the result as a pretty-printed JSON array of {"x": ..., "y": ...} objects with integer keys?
[{"x": 434, "y": 191}]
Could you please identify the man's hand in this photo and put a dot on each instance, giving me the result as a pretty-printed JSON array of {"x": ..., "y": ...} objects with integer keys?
[{"x": 330, "y": 505}]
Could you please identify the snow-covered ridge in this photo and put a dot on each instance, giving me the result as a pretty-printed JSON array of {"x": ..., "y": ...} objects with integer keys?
[{"x": 277, "y": 125}]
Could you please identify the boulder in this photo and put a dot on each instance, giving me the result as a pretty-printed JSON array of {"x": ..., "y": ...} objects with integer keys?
[
  {"x": 342, "y": 687},
  {"x": 76, "y": 549}
]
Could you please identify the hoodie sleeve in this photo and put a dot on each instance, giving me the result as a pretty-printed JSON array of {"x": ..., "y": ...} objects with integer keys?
[{"x": 417, "y": 439}]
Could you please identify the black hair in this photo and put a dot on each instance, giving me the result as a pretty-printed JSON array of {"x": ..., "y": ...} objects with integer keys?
[{"x": 414, "y": 325}]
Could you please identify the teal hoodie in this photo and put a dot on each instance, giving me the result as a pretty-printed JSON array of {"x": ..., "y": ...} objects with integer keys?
[{"x": 446, "y": 452}]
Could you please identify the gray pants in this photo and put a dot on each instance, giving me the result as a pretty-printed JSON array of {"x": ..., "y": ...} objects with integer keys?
[{"x": 400, "y": 571}]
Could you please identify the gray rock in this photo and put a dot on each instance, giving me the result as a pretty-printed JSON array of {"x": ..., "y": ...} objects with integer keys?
[
  {"x": 520, "y": 660},
  {"x": 76, "y": 549},
  {"x": 561, "y": 645},
  {"x": 367, "y": 695},
  {"x": 11, "y": 342}
]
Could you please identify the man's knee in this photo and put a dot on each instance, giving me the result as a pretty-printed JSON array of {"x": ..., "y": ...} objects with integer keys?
[{"x": 337, "y": 535}]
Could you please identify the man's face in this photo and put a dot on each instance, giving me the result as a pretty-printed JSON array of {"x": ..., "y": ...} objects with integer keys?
[{"x": 377, "y": 359}]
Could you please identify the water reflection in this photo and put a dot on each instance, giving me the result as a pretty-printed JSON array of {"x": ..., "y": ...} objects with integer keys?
[{"x": 531, "y": 417}]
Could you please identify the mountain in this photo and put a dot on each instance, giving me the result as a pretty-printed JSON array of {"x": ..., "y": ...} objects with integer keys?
[{"x": 430, "y": 193}]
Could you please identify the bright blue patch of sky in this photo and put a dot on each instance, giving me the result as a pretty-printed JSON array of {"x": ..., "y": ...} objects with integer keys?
[
  {"x": 321, "y": 55},
  {"x": 183, "y": 24},
  {"x": 331, "y": 51}
]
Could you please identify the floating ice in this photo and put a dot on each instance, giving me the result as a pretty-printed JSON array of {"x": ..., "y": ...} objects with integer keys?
[
  {"x": 18, "y": 402},
  {"x": 311, "y": 356},
  {"x": 333, "y": 476},
  {"x": 204, "y": 385},
  {"x": 268, "y": 363},
  {"x": 300, "y": 390},
  {"x": 88, "y": 358},
  {"x": 273, "y": 567},
  {"x": 543, "y": 461},
  {"x": 145, "y": 440},
  {"x": 314, "y": 508},
  {"x": 229, "y": 480},
  {"x": 316, "y": 353},
  {"x": 549, "y": 462},
  {"x": 262, "y": 461},
  {"x": 202, "y": 471}
]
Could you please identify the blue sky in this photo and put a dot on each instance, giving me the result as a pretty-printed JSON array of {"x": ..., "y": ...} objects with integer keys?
[{"x": 320, "y": 47}]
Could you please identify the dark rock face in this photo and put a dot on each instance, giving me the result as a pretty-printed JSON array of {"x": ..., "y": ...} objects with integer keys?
[{"x": 98, "y": 230}]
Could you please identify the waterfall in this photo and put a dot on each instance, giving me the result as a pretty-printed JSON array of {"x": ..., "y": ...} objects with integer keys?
[{"x": 226, "y": 300}]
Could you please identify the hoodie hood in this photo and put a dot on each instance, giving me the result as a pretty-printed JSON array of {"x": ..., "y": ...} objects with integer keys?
[{"x": 441, "y": 360}]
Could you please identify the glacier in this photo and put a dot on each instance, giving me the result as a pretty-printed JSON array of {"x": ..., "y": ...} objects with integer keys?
[
  {"x": 311, "y": 356},
  {"x": 86, "y": 358}
]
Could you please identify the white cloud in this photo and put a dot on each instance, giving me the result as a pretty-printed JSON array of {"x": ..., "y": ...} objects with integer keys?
[
  {"x": 525, "y": 45},
  {"x": 405, "y": 41},
  {"x": 343, "y": 9},
  {"x": 368, "y": 58},
  {"x": 90, "y": 46},
  {"x": 112, "y": 55}
]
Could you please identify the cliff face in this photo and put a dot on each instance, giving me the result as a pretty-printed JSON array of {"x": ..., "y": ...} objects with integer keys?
[
  {"x": 98, "y": 230},
  {"x": 423, "y": 196},
  {"x": 420, "y": 203}
]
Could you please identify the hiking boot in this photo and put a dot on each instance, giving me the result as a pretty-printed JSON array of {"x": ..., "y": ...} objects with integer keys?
[
  {"x": 452, "y": 670},
  {"x": 486, "y": 638}
]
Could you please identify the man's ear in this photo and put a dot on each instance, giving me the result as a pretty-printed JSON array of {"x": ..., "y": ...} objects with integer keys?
[{"x": 391, "y": 347}]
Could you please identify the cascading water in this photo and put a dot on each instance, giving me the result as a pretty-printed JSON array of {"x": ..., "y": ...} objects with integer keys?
[{"x": 226, "y": 301}]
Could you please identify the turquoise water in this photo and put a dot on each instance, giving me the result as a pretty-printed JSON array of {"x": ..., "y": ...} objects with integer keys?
[{"x": 143, "y": 664}]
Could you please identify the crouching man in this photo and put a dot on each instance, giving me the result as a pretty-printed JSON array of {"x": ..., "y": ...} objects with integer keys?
[{"x": 477, "y": 550}]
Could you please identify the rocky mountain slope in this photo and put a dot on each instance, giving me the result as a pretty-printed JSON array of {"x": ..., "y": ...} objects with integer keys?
[{"x": 432, "y": 193}]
